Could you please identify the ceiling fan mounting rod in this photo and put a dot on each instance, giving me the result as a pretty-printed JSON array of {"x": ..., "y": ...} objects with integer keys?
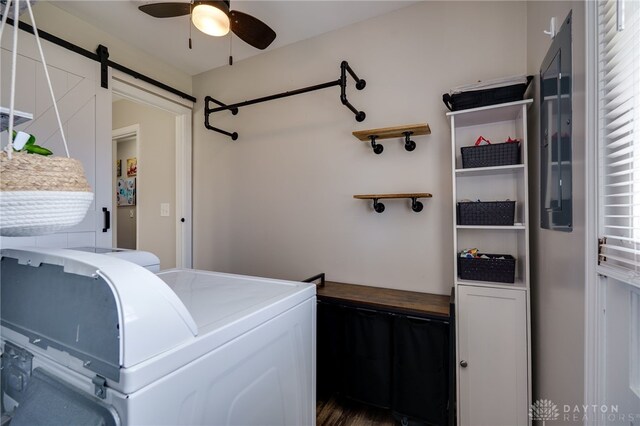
[{"x": 342, "y": 82}]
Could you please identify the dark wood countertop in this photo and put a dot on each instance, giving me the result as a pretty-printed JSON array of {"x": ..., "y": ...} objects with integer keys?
[{"x": 409, "y": 302}]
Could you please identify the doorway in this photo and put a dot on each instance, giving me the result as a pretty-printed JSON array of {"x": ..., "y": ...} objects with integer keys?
[
  {"x": 124, "y": 188},
  {"x": 146, "y": 191},
  {"x": 163, "y": 174}
]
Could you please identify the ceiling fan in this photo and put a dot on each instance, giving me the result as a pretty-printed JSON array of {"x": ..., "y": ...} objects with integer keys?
[{"x": 214, "y": 18}]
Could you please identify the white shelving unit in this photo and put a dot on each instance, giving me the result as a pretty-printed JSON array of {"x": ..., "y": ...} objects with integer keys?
[{"x": 493, "y": 325}]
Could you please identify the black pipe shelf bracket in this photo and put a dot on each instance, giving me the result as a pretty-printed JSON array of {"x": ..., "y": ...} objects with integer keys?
[
  {"x": 416, "y": 205},
  {"x": 342, "y": 82},
  {"x": 405, "y": 132}
]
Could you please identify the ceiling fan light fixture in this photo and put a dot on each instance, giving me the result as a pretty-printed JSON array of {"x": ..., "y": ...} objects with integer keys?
[{"x": 211, "y": 17}]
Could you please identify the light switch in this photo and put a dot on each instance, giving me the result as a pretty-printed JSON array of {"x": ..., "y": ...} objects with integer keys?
[
  {"x": 164, "y": 209},
  {"x": 131, "y": 213}
]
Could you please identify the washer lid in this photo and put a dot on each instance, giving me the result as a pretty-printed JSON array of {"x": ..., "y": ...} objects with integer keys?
[{"x": 215, "y": 299}]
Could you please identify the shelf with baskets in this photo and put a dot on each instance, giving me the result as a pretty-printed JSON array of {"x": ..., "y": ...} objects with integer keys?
[
  {"x": 404, "y": 132},
  {"x": 499, "y": 182},
  {"x": 491, "y": 255}
]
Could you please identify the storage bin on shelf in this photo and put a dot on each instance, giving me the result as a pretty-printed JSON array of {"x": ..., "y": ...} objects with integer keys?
[
  {"x": 487, "y": 93},
  {"x": 41, "y": 195},
  {"x": 499, "y": 154},
  {"x": 500, "y": 213},
  {"x": 496, "y": 268}
]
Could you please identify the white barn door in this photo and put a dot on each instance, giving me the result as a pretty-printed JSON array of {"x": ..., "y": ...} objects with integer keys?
[{"x": 85, "y": 110}]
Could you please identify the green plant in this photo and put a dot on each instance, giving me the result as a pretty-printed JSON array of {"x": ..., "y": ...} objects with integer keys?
[{"x": 30, "y": 146}]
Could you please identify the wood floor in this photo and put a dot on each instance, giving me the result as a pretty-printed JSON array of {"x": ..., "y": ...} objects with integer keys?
[{"x": 343, "y": 412}]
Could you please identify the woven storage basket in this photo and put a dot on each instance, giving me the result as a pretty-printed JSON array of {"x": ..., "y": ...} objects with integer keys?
[
  {"x": 486, "y": 213},
  {"x": 491, "y": 269},
  {"x": 499, "y": 154},
  {"x": 41, "y": 195}
]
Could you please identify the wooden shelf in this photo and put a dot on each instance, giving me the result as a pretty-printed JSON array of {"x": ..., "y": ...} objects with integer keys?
[
  {"x": 19, "y": 117},
  {"x": 408, "y": 302},
  {"x": 390, "y": 196},
  {"x": 393, "y": 132},
  {"x": 371, "y": 135},
  {"x": 416, "y": 205}
]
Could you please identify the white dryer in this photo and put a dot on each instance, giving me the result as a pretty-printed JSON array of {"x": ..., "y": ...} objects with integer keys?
[{"x": 92, "y": 339}]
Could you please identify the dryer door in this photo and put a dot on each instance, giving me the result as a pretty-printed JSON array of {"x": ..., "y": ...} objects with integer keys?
[{"x": 49, "y": 401}]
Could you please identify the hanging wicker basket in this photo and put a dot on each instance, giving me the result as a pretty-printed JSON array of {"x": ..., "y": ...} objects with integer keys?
[
  {"x": 41, "y": 195},
  {"x": 38, "y": 194}
]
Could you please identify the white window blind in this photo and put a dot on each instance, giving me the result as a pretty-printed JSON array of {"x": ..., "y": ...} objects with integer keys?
[{"x": 619, "y": 136}]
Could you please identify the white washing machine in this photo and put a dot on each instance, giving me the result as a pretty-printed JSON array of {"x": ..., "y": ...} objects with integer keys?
[{"x": 92, "y": 339}]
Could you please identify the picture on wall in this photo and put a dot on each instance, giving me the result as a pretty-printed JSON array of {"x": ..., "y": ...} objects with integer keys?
[
  {"x": 126, "y": 192},
  {"x": 119, "y": 168},
  {"x": 132, "y": 167}
]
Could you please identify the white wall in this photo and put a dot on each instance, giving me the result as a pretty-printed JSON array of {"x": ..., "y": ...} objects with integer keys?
[
  {"x": 278, "y": 202},
  {"x": 558, "y": 264},
  {"x": 156, "y": 176},
  {"x": 70, "y": 28}
]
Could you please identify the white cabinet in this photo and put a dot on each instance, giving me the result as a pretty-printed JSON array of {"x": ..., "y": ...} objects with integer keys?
[
  {"x": 492, "y": 350},
  {"x": 493, "y": 338}
]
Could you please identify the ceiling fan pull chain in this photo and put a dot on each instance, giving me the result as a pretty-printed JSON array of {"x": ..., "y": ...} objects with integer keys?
[
  {"x": 190, "y": 10},
  {"x": 230, "y": 49}
]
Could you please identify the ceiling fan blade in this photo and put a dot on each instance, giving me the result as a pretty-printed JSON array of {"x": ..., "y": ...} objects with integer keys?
[
  {"x": 166, "y": 10},
  {"x": 251, "y": 30}
]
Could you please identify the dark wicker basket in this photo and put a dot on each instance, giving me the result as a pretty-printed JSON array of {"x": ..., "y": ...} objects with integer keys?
[
  {"x": 499, "y": 154},
  {"x": 486, "y": 213},
  {"x": 492, "y": 269},
  {"x": 485, "y": 97}
]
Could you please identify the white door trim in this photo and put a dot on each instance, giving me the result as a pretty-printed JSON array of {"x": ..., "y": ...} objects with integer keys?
[
  {"x": 158, "y": 98},
  {"x": 117, "y": 134},
  {"x": 151, "y": 89},
  {"x": 125, "y": 132},
  {"x": 595, "y": 335}
]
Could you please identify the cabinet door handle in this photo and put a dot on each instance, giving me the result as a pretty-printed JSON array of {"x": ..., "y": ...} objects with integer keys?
[
  {"x": 463, "y": 364},
  {"x": 107, "y": 219}
]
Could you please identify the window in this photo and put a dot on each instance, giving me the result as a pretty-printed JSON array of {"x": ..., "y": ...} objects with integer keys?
[{"x": 619, "y": 138}]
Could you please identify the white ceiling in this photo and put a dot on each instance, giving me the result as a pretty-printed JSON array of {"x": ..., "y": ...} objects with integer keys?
[{"x": 167, "y": 39}]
